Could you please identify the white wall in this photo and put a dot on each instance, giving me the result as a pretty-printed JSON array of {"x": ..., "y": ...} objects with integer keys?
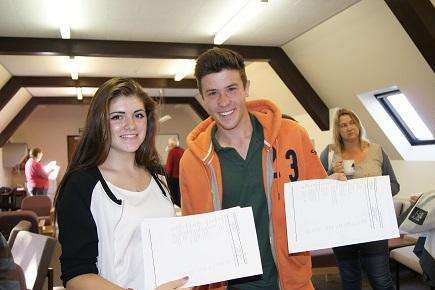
[
  {"x": 414, "y": 176},
  {"x": 5, "y": 173},
  {"x": 13, "y": 107},
  {"x": 48, "y": 127},
  {"x": 184, "y": 119},
  {"x": 321, "y": 138},
  {"x": 4, "y": 75},
  {"x": 266, "y": 84},
  {"x": 363, "y": 49}
]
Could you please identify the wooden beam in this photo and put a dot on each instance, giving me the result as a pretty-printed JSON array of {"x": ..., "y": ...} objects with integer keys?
[
  {"x": 197, "y": 107},
  {"x": 277, "y": 58},
  {"x": 417, "y": 17},
  {"x": 35, "y": 101},
  {"x": 62, "y": 101},
  {"x": 34, "y": 81},
  {"x": 10, "y": 88},
  {"x": 191, "y": 101},
  {"x": 300, "y": 88},
  {"x": 16, "y": 82},
  {"x": 125, "y": 49},
  {"x": 17, "y": 121}
]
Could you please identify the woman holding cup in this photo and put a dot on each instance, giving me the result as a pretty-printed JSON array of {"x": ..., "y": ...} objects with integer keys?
[{"x": 352, "y": 155}]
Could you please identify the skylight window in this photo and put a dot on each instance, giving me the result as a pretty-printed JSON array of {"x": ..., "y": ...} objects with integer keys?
[{"x": 406, "y": 118}]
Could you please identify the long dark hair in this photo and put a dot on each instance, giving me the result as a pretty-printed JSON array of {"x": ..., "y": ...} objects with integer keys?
[{"x": 94, "y": 144}]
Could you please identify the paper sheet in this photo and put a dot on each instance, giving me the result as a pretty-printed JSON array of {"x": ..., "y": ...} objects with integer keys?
[
  {"x": 328, "y": 213},
  {"x": 53, "y": 168},
  {"x": 210, "y": 247}
]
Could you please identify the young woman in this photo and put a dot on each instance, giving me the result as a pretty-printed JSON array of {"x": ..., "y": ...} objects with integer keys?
[
  {"x": 369, "y": 160},
  {"x": 112, "y": 183}
]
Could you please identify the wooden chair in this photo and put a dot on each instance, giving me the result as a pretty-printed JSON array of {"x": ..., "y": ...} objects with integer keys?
[
  {"x": 39, "y": 204},
  {"x": 21, "y": 226},
  {"x": 405, "y": 258},
  {"x": 9, "y": 219}
]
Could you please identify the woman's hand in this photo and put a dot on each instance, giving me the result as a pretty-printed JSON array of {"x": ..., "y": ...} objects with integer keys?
[
  {"x": 176, "y": 284},
  {"x": 337, "y": 176},
  {"x": 414, "y": 198},
  {"x": 337, "y": 167}
]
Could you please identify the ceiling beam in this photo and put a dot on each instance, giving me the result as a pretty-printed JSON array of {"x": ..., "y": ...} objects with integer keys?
[
  {"x": 417, "y": 17},
  {"x": 13, "y": 125},
  {"x": 8, "y": 91},
  {"x": 62, "y": 100},
  {"x": 11, "y": 87},
  {"x": 124, "y": 49},
  {"x": 280, "y": 62},
  {"x": 28, "y": 108},
  {"x": 300, "y": 88},
  {"x": 191, "y": 101},
  {"x": 35, "y": 81}
]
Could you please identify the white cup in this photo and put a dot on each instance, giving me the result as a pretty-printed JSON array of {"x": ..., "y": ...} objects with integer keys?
[{"x": 349, "y": 166}]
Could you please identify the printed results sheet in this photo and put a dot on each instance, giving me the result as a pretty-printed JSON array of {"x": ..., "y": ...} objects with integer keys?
[
  {"x": 328, "y": 213},
  {"x": 209, "y": 248}
]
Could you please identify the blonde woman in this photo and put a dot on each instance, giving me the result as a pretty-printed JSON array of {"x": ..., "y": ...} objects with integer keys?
[{"x": 356, "y": 157}]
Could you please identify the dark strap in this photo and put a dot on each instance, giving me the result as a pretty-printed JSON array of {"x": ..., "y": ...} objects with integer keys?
[
  {"x": 159, "y": 183},
  {"x": 106, "y": 187}
]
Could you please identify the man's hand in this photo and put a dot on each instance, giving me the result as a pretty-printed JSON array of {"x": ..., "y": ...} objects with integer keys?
[
  {"x": 414, "y": 198},
  {"x": 337, "y": 176}
]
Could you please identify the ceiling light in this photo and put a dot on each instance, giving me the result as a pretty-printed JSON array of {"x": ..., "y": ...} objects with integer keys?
[
  {"x": 186, "y": 68},
  {"x": 73, "y": 68},
  {"x": 65, "y": 31},
  {"x": 79, "y": 94},
  {"x": 238, "y": 20},
  {"x": 165, "y": 118}
]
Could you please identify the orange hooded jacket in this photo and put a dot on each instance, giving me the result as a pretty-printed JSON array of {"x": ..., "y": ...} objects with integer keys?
[{"x": 288, "y": 155}]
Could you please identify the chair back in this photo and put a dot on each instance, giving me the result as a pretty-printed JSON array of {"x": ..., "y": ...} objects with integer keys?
[
  {"x": 21, "y": 226},
  {"x": 33, "y": 253},
  {"x": 11, "y": 275},
  {"x": 40, "y": 204},
  {"x": 9, "y": 219}
]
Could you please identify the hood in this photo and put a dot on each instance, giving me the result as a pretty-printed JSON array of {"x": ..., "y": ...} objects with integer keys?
[{"x": 267, "y": 113}]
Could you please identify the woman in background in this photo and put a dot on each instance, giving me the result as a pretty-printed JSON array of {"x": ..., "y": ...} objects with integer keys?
[
  {"x": 172, "y": 168},
  {"x": 112, "y": 183},
  {"x": 36, "y": 176},
  {"x": 369, "y": 160}
]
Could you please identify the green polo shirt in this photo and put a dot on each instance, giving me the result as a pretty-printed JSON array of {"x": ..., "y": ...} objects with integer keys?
[{"x": 243, "y": 186}]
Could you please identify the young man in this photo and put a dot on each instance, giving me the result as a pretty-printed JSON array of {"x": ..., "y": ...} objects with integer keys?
[{"x": 242, "y": 156}]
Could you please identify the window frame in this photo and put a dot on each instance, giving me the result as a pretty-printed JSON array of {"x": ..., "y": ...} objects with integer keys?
[{"x": 386, "y": 104}]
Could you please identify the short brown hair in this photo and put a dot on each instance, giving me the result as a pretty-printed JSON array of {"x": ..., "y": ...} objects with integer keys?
[
  {"x": 34, "y": 152},
  {"x": 217, "y": 59},
  {"x": 338, "y": 141}
]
